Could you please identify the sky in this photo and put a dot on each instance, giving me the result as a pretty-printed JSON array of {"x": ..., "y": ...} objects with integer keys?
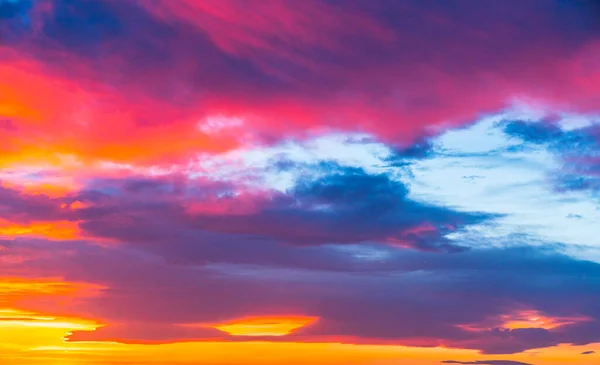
[{"x": 266, "y": 182}]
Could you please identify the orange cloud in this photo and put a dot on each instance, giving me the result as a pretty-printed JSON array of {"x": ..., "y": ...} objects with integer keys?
[
  {"x": 20, "y": 318},
  {"x": 14, "y": 288},
  {"x": 535, "y": 319},
  {"x": 24, "y": 334},
  {"x": 55, "y": 186},
  {"x": 60, "y": 230},
  {"x": 52, "y": 116},
  {"x": 78, "y": 205},
  {"x": 47, "y": 189},
  {"x": 265, "y": 326}
]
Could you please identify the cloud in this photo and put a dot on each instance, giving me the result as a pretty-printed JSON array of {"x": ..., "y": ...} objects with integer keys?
[
  {"x": 529, "y": 171},
  {"x": 577, "y": 148},
  {"x": 361, "y": 163},
  {"x": 346, "y": 205},
  {"x": 23, "y": 208},
  {"x": 344, "y": 241},
  {"x": 350, "y": 67},
  {"x": 588, "y": 352},
  {"x": 329, "y": 196},
  {"x": 343, "y": 205},
  {"x": 358, "y": 299}
]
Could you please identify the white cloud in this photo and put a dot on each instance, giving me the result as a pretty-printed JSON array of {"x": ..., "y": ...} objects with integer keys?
[
  {"x": 257, "y": 165},
  {"x": 215, "y": 124},
  {"x": 478, "y": 169}
]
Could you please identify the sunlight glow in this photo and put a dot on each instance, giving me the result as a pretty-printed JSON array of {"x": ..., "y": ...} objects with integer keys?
[{"x": 265, "y": 326}]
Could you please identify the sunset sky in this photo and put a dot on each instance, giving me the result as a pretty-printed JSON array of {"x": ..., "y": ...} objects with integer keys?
[{"x": 302, "y": 182}]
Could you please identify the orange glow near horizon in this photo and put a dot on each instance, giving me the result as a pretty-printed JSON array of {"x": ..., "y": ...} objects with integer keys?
[
  {"x": 19, "y": 318},
  {"x": 265, "y": 326},
  {"x": 29, "y": 337},
  {"x": 24, "y": 331}
]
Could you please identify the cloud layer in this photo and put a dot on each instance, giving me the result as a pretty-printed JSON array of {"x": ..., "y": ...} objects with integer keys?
[{"x": 418, "y": 173}]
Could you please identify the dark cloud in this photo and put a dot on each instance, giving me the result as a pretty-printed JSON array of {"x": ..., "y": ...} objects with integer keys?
[
  {"x": 534, "y": 132},
  {"x": 22, "y": 208},
  {"x": 346, "y": 205},
  {"x": 114, "y": 36},
  {"x": 421, "y": 148},
  {"x": 409, "y": 297},
  {"x": 588, "y": 352}
]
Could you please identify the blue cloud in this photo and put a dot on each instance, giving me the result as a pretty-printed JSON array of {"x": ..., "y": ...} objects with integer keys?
[
  {"x": 579, "y": 149},
  {"x": 348, "y": 205},
  {"x": 15, "y": 19}
]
